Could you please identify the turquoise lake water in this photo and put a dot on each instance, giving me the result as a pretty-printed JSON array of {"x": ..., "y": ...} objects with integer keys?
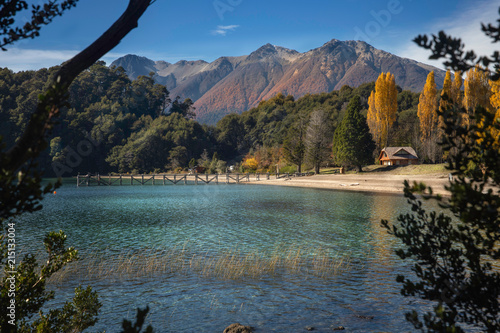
[{"x": 118, "y": 220}]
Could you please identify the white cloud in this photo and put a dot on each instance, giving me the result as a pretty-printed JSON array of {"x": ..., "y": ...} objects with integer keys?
[
  {"x": 465, "y": 25},
  {"x": 30, "y": 59},
  {"x": 222, "y": 30}
]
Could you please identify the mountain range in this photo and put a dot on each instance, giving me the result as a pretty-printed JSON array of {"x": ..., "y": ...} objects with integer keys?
[{"x": 236, "y": 84}]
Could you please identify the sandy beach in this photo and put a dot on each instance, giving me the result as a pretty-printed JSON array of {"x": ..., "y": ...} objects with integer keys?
[{"x": 365, "y": 182}]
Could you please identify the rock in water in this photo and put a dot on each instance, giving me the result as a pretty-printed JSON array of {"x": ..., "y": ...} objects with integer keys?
[{"x": 238, "y": 328}]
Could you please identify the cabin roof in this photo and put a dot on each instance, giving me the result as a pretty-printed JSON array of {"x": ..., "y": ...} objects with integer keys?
[{"x": 398, "y": 153}]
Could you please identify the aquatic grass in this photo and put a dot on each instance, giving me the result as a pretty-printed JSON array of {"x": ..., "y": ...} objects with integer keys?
[{"x": 230, "y": 264}]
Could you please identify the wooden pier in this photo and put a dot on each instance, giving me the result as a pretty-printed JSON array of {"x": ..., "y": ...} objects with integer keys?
[{"x": 174, "y": 179}]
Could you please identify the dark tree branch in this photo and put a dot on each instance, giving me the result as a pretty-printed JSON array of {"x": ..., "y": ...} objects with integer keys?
[
  {"x": 456, "y": 58},
  {"x": 40, "y": 15},
  {"x": 32, "y": 142}
]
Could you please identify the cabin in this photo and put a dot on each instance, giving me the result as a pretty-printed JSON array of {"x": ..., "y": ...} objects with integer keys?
[{"x": 398, "y": 156}]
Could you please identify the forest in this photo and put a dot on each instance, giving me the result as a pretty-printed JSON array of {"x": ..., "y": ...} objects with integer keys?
[{"x": 114, "y": 124}]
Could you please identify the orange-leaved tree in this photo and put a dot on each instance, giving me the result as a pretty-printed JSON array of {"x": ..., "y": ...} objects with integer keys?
[
  {"x": 456, "y": 89},
  {"x": 427, "y": 113},
  {"x": 476, "y": 92},
  {"x": 382, "y": 108},
  {"x": 446, "y": 103}
]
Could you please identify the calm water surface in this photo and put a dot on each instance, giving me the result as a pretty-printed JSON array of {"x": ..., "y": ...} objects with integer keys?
[{"x": 217, "y": 218}]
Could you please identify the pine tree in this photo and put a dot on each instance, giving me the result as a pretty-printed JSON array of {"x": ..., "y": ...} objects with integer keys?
[
  {"x": 454, "y": 250},
  {"x": 352, "y": 142}
]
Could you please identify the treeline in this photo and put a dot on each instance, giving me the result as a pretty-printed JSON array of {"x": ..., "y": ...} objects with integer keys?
[
  {"x": 114, "y": 124},
  {"x": 111, "y": 123}
]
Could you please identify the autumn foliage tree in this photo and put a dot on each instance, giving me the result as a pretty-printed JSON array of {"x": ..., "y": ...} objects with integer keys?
[
  {"x": 427, "y": 113},
  {"x": 454, "y": 251},
  {"x": 456, "y": 89},
  {"x": 476, "y": 92},
  {"x": 495, "y": 104},
  {"x": 446, "y": 103},
  {"x": 382, "y": 108}
]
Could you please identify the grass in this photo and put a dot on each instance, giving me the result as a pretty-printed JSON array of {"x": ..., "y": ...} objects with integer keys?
[
  {"x": 419, "y": 169},
  {"x": 226, "y": 265}
]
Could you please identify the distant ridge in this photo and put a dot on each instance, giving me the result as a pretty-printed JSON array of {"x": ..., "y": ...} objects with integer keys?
[{"x": 236, "y": 84}]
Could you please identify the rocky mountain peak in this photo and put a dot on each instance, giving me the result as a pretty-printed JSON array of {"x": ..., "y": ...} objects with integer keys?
[{"x": 235, "y": 84}]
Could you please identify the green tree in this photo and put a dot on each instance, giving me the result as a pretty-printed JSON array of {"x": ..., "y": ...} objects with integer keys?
[
  {"x": 20, "y": 183},
  {"x": 185, "y": 108},
  {"x": 453, "y": 252},
  {"x": 158, "y": 143},
  {"x": 352, "y": 141},
  {"x": 294, "y": 148},
  {"x": 230, "y": 135}
]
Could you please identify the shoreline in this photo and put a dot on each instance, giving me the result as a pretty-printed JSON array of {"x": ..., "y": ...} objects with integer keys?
[{"x": 362, "y": 182}]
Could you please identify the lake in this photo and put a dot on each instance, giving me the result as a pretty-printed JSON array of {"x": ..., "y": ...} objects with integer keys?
[{"x": 288, "y": 229}]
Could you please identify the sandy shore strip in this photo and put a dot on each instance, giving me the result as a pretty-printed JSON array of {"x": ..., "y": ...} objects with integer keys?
[{"x": 365, "y": 182}]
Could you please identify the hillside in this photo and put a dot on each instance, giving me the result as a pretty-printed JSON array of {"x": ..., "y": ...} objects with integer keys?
[{"x": 236, "y": 84}]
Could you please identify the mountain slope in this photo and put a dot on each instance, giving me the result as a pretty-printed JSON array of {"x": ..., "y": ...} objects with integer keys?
[{"x": 235, "y": 84}]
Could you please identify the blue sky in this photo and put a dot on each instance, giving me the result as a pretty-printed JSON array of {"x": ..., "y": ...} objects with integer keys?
[{"x": 208, "y": 29}]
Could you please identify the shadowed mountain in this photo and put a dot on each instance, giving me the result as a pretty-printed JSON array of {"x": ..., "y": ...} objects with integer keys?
[{"x": 236, "y": 84}]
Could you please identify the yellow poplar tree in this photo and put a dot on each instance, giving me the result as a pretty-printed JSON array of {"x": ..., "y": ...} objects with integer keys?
[
  {"x": 372, "y": 118},
  {"x": 476, "y": 91},
  {"x": 456, "y": 87},
  {"x": 427, "y": 113},
  {"x": 383, "y": 105},
  {"x": 495, "y": 105},
  {"x": 447, "y": 90},
  {"x": 427, "y": 107},
  {"x": 495, "y": 97}
]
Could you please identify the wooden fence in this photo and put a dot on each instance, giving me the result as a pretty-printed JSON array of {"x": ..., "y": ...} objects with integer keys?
[{"x": 185, "y": 179}]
